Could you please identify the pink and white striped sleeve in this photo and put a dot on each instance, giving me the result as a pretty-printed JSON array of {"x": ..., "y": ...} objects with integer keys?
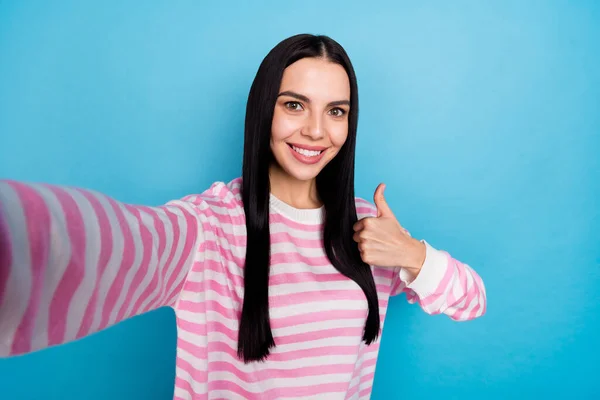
[
  {"x": 444, "y": 285},
  {"x": 74, "y": 261}
]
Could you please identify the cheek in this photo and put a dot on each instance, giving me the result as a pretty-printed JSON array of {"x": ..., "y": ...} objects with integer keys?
[
  {"x": 283, "y": 127},
  {"x": 338, "y": 135}
]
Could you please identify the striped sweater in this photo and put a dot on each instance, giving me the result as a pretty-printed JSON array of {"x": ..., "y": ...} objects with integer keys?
[{"x": 74, "y": 261}]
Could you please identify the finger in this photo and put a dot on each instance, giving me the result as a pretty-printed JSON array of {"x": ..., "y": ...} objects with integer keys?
[
  {"x": 360, "y": 225},
  {"x": 383, "y": 209}
]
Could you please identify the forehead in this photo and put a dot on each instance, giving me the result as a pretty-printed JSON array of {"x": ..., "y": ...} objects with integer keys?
[{"x": 317, "y": 79}]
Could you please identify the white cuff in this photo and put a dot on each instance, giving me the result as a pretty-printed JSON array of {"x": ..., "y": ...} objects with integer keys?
[{"x": 431, "y": 274}]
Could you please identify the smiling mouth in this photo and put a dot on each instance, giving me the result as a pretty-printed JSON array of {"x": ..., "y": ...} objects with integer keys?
[{"x": 306, "y": 152}]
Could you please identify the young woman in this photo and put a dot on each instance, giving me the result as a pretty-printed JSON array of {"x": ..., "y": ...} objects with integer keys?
[{"x": 280, "y": 279}]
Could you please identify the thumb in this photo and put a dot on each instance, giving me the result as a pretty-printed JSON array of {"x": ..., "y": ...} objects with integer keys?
[{"x": 383, "y": 210}]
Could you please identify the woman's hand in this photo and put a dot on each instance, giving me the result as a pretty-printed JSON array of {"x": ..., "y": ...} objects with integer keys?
[{"x": 383, "y": 242}]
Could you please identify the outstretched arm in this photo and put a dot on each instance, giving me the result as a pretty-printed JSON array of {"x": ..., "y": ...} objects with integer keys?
[{"x": 74, "y": 261}]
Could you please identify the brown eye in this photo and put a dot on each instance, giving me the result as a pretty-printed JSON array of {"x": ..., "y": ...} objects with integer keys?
[
  {"x": 337, "y": 112},
  {"x": 293, "y": 106}
]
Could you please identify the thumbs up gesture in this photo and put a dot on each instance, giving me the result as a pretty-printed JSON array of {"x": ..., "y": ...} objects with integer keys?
[{"x": 383, "y": 242}]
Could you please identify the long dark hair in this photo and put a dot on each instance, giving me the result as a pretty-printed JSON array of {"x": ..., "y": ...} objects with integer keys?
[{"x": 335, "y": 185}]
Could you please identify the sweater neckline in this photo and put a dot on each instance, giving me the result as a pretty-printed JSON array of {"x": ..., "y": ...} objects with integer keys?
[{"x": 303, "y": 215}]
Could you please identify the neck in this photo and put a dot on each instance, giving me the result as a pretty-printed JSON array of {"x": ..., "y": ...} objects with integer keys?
[{"x": 294, "y": 192}]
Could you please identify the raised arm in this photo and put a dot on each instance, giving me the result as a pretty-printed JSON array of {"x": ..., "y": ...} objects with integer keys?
[{"x": 74, "y": 261}]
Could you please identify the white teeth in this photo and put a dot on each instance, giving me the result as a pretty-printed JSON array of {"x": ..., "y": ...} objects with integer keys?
[{"x": 308, "y": 153}]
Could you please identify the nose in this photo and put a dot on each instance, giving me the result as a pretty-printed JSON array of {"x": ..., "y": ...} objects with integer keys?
[{"x": 314, "y": 127}]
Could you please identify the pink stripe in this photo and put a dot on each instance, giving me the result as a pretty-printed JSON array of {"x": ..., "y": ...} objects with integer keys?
[
  {"x": 460, "y": 280},
  {"x": 184, "y": 385},
  {"x": 366, "y": 392},
  {"x": 75, "y": 271},
  {"x": 333, "y": 351},
  {"x": 381, "y": 272},
  {"x": 124, "y": 267},
  {"x": 476, "y": 291},
  {"x": 370, "y": 362},
  {"x": 366, "y": 212},
  {"x": 106, "y": 249},
  {"x": 6, "y": 260},
  {"x": 216, "y": 326},
  {"x": 305, "y": 277},
  {"x": 214, "y": 245},
  {"x": 218, "y": 201},
  {"x": 172, "y": 228},
  {"x": 197, "y": 375},
  {"x": 442, "y": 287},
  {"x": 220, "y": 385},
  {"x": 233, "y": 239},
  {"x": 307, "y": 298},
  {"x": 153, "y": 285},
  {"x": 208, "y": 285},
  {"x": 466, "y": 295},
  {"x": 290, "y": 299},
  {"x": 225, "y": 219},
  {"x": 321, "y": 334},
  {"x": 368, "y": 378},
  {"x": 190, "y": 236},
  {"x": 199, "y": 352},
  {"x": 270, "y": 373},
  {"x": 311, "y": 317},
  {"x": 37, "y": 219},
  {"x": 199, "y": 329},
  {"x": 275, "y": 393},
  {"x": 142, "y": 269},
  {"x": 363, "y": 203},
  {"x": 285, "y": 237},
  {"x": 207, "y": 306},
  {"x": 295, "y": 258},
  {"x": 365, "y": 382}
]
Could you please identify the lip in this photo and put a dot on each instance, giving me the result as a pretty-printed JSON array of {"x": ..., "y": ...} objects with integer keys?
[{"x": 305, "y": 159}]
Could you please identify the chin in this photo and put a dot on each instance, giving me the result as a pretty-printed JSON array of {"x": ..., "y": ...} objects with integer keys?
[{"x": 303, "y": 173}]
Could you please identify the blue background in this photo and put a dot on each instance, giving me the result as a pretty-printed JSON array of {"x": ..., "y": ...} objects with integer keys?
[{"x": 483, "y": 118}]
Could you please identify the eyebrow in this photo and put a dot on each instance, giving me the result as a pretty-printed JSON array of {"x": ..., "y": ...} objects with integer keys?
[{"x": 305, "y": 99}]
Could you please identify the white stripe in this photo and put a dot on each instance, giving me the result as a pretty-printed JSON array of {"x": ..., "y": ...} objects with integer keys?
[{"x": 17, "y": 291}]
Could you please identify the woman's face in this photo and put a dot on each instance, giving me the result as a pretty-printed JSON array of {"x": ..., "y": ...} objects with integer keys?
[{"x": 310, "y": 122}]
